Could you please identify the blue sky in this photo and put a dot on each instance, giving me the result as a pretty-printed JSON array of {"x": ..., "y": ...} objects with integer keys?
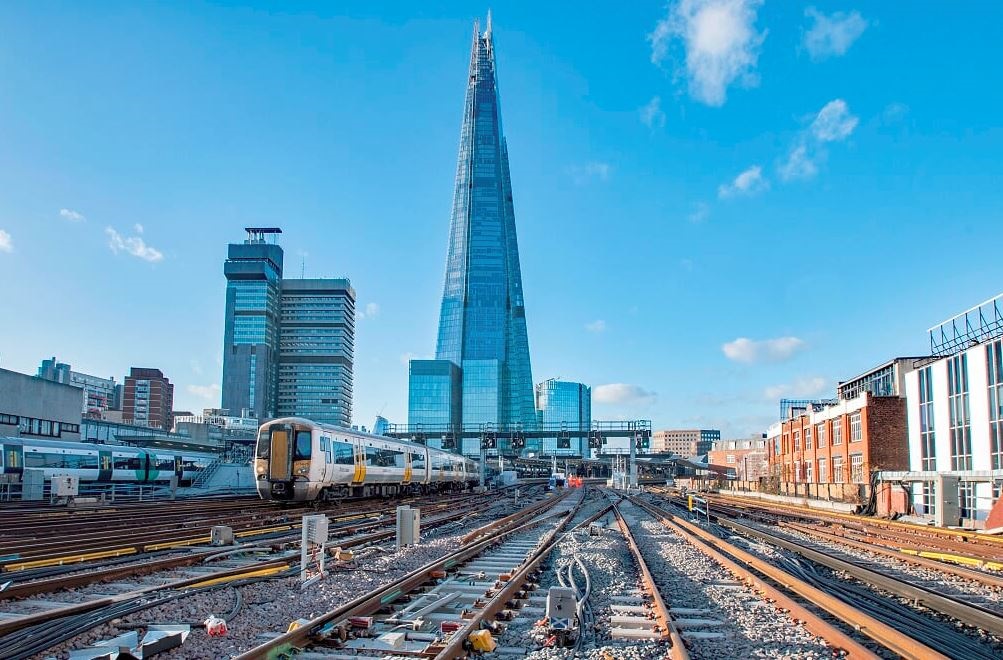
[{"x": 718, "y": 203}]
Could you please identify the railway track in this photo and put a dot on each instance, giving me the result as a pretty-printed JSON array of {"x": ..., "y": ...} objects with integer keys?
[
  {"x": 859, "y": 596},
  {"x": 33, "y": 633}
]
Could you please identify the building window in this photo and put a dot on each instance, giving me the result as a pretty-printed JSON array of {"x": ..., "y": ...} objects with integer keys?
[
  {"x": 994, "y": 370},
  {"x": 929, "y": 498},
  {"x": 927, "y": 436},
  {"x": 820, "y": 434},
  {"x": 823, "y": 474},
  {"x": 808, "y": 476},
  {"x": 797, "y": 441},
  {"x": 966, "y": 499},
  {"x": 837, "y": 470},
  {"x": 837, "y": 431},
  {"x": 730, "y": 459},
  {"x": 807, "y": 438},
  {"x": 857, "y": 468},
  {"x": 960, "y": 428},
  {"x": 856, "y": 432}
]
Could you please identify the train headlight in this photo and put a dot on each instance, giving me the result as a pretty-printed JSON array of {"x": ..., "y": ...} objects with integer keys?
[{"x": 303, "y": 470}]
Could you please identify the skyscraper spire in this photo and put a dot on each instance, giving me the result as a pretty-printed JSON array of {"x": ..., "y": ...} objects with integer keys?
[{"x": 482, "y": 323}]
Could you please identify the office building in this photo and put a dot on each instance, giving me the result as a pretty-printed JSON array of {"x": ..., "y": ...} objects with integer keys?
[
  {"x": 147, "y": 399},
  {"x": 316, "y": 349},
  {"x": 955, "y": 415},
  {"x": 683, "y": 442},
  {"x": 482, "y": 321},
  {"x": 253, "y": 271},
  {"x": 434, "y": 401},
  {"x": 289, "y": 344},
  {"x": 565, "y": 405},
  {"x": 33, "y": 407},
  {"x": 99, "y": 394}
]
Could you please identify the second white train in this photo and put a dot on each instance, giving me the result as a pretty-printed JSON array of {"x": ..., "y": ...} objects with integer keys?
[{"x": 299, "y": 460}]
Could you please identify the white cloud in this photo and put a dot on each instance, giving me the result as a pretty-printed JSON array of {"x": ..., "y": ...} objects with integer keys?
[
  {"x": 652, "y": 115},
  {"x": 71, "y": 215},
  {"x": 133, "y": 245},
  {"x": 751, "y": 351},
  {"x": 834, "y": 34},
  {"x": 594, "y": 170},
  {"x": 700, "y": 212},
  {"x": 596, "y": 326},
  {"x": 622, "y": 394},
  {"x": 806, "y": 388},
  {"x": 371, "y": 310},
  {"x": 6, "y": 242},
  {"x": 749, "y": 182},
  {"x": 207, "y": 392},
  {"x": 799, "y": 165},
  {"x": 138, "y": 227},
  {"x": 833, "y": 122},
  {"x": 720, "y": 42}
]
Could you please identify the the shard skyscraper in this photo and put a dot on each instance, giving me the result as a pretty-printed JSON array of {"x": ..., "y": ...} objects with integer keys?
[{"x": 482, "y": 322}]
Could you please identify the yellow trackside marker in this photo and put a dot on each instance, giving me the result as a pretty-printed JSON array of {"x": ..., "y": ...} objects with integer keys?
[
  {"x": 230, "y": 578},
  {"x": 72, "y": 559}
]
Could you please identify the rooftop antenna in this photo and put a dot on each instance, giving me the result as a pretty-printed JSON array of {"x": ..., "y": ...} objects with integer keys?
[
  {"x": 302, "y": 266},
  {"x": 487, "y": 32}
]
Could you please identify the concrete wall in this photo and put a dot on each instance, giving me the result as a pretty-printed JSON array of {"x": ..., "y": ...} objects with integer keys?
[{"x": 28, "y": 396}]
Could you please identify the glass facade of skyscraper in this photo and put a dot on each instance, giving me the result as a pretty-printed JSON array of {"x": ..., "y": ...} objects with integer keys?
[
  {"x": 568, "y": 405},
  {"x": 482, "y": 322},
  {"x": 253, "y": 272},
  {"x": 433, "y": 397},
  {"x": 316, "y": 345}
]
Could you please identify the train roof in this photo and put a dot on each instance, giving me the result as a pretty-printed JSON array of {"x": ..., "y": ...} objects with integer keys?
[{"x": 94, "y": 446}]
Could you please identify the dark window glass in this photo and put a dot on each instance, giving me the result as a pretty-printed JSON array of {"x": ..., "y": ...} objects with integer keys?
[
  {"x": 343, "y": 453},
  {"x": 264, "y": 444},
  {"x": 304, "y": 446}
]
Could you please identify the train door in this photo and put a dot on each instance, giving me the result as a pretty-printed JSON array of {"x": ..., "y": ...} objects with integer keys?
[
  {"x": 179, "y": 467},
  {"x": 407, "y": 467},
  {"x": 13, "y": 459},
  {"x": 104, "y": 465},
  {"x": 360, "y": 463},
  {"x": 280, "y": 463}
]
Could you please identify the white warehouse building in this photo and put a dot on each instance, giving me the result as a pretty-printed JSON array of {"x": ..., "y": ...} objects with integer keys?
[{"x": 955, "y": 418}]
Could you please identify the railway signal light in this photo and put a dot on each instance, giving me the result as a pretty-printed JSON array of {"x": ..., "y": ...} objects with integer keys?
[
  {"x": 595, "y": 440},
  {"x": 419, "y": 438},
  {"x": 448, "y": 441},
  {"x": 642, "y": 439},
  {"x": 563, "y": 440},
  {"x": 489, "y": 440},
  {"x": 518, "y": 440}
]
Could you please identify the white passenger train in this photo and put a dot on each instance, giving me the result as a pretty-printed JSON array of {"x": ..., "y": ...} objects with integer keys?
[{"x": 299, "y": 460}]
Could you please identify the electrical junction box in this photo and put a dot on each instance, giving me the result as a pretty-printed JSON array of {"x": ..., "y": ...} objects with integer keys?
[
  {"x": 408, "y": 526},
  {"x": 315, "y": 529},
  {"x": 221, "y": 535},
  {"x": 65, "y": 486},
  {"x": 561, "y": 603}
]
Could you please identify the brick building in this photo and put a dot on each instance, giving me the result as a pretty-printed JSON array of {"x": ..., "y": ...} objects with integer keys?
[
  {"x": 148, "y": 399},
  {"x": 683, "y": 442},
  {"x": 743, "y": 459},
  {"x": 842, "y": 443}
]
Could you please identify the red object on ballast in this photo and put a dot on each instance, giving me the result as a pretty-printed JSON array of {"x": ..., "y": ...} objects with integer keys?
[{"x": 447, "y": 627}]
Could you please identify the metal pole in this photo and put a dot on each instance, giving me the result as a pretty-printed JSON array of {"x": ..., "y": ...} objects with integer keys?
[
  {"x": 633, "y": 463},
  {"x": 483, "y": 463}
]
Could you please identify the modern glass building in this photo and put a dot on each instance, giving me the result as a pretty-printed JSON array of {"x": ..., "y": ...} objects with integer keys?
[
  {"x": 434, "y": 396},
  {"x": 482, "y": 322},
  {"x": 253, "y": 271},
  {"x": 289, "y": 344},
  {"x": 567, "y": 405},
  {"x": 316, "y": 346}
]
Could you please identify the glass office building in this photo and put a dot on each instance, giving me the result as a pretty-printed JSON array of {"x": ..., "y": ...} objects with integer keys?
[
  {"x": 434, "y": 398},
  {"x": 482, "y": 322},
  {"x": 316, "y": 345},
  {"x": 567, "y": 405},
  {"x": 253, "y": 271}
]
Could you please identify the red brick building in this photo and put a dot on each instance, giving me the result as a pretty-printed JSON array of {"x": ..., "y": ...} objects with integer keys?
[
  {"x": 147, "y": 399},
  {"x": 743, "y": 459},
  {"x": 843, "y": 442}
]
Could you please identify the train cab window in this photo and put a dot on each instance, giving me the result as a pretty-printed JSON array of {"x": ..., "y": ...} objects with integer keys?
[
  {"x": 264, "y": 444},
  {"x": 344, "y": 453},
  {"x": 304, "y": 446}
]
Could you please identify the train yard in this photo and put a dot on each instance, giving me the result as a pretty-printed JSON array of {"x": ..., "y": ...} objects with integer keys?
[{"x": 641, "y": 576}]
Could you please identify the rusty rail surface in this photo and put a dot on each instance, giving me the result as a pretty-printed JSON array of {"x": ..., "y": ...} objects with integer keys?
[{"x": 678, "y": 649}]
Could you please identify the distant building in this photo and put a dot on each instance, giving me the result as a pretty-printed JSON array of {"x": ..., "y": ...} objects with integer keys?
[
  {"x": 381, "y": 426},
  {"x": 683, "y": 442},
  {"x": 217, "y": 417},
  {"x": 744, "y": 459},
  {"x": 565, "y": 404},
  {"x": 253, "y": 271},
  {"x": 99, "y": 394},
  {"x": 148, "y": 399},
  {"x": 434, "y": 399},
  {"x": 33, "y": 407},
  {"x": 316, "y": 350},
  {"x": 289, "y": 344}
]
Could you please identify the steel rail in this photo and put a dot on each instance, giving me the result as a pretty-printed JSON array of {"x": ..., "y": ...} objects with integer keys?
[
  {"x": 715, "y": 548},
  {"x": 968, "y": 613},
  {"x": 678, "y": 650},
  {"x": 373, "y": 601}
]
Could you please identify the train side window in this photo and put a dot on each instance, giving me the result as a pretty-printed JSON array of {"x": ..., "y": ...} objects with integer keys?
[
  {"x": 325, "y": 446},
  {"x": 344, "y": 453},
  {"x": 398, "y": 459},
  {"x": 418, "y": 461},
  {"x": 304, "y": 446}
]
